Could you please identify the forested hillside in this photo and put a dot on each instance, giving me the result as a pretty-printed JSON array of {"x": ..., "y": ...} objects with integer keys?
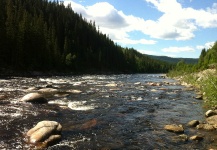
[
  {"x": 175, "y": 60},
  {"x": 41, "y": 35}
]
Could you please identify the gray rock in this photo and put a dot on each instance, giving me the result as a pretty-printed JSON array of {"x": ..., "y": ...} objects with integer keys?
[
  {"x": 196, "y": 137},
  {"x": 210, "y": 113},
  {"x": 212, "y": 120},
  {"x": 207, "y": 127},
  {"x": 199, "y": 97},
  {"x": 174, "y": 128},
  {"x": 193, "y": 123},
  {"x": 33, "y": 98},
  {"x": 46, "y": 132}
]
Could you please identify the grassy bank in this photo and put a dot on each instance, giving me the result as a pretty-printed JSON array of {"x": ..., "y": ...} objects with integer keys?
[{"x": 205, "y": 81}]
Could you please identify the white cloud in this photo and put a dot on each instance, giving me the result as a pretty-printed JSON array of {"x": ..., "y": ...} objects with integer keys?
[
  {"x": 213, "y": 10},
  {"x": 178, "y": 49},
  {"x": 209, "y": 44},
  {"x": 175, "y": 23},
  {"x": 148, "y": 52},
  {"x": 76, "y": 7},
  {"x": 181, "y": 22},
  {"x": 166, "y": 6},
  {"x": 141, "y": 41},
  {"x": 106, "y": 15},
  {"x": 206, "y": 45}
]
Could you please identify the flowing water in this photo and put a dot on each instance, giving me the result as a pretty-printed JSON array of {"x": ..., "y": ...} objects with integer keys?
[{"x": 102, "y": 112}]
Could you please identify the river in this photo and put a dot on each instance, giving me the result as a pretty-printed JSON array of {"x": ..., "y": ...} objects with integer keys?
[{"x": 127, "y": 111}]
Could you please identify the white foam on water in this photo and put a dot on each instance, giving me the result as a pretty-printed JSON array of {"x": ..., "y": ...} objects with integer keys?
[
  {"x": 58, "y": 102},
  {"x": 71, "y": 144},
  {"x": 10, "y": 89},
  {"x": 55, "y": 81},
  {"x": 79, "y": 105},
  {"x": 139, "y": 99},
  {"x": 15, "y": 115}
]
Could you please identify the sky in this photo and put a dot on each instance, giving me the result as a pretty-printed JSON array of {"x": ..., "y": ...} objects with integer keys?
[{"x": 174, "y": 28}]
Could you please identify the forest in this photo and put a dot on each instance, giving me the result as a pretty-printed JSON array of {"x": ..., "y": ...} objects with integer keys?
[
  {"x": 42, "y": 35},
  {"x": 207, "y": 60}
]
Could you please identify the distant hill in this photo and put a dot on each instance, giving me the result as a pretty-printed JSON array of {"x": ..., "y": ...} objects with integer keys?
[{"x": 174, "y": 60}]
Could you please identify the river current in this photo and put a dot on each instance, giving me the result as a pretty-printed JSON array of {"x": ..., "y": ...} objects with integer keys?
[{"x": 102, "y": 112}]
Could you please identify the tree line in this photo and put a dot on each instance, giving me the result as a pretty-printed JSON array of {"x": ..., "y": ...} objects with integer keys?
[
  {"x": 207, "y": 60},
  {"x": 42, "y": 35}
]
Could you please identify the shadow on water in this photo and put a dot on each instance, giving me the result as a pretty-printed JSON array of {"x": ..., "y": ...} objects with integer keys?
[{"x": 110, "y": 112}]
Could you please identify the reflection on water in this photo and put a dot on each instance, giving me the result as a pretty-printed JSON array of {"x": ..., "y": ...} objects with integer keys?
[{"x": 101, "y": 111}]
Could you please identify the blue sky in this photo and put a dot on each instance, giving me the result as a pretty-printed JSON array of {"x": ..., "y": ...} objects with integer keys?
[{"x": 175, "y": 28}]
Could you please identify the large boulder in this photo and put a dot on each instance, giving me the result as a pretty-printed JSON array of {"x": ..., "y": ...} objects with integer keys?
[
  {"x": 34, "y": 98},
  {"x": 46, "y": 132}
]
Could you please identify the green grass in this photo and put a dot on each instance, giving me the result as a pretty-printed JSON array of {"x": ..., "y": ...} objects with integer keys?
[
  {"x": 208, "y": 85},
  {"x": 209, "y": 88}
]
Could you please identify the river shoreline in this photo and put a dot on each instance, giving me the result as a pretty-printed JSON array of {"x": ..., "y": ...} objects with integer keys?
[
  {"x": 201, "y": 82},
  {"x": 4, "y": 73}
]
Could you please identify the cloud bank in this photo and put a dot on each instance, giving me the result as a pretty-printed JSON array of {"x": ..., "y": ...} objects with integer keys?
[{"x": 175, "y": 23}]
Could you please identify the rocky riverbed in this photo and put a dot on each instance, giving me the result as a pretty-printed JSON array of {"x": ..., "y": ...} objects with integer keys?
[{"x": 140, "y": 111}]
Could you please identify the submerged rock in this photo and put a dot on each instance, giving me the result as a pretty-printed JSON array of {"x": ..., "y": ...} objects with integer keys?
[
  {"x": 180, "y": 138},
  {"x": 89, "y": 124},
  {"x": 45, "y": 132},
  {"x": 2, "y": 97},
  {"x": 33, "y": 98},
  {"x": 174, "y": 128}
]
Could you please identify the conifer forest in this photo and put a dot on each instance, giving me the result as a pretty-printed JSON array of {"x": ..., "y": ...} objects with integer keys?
[{"x": 39, "y": 35}]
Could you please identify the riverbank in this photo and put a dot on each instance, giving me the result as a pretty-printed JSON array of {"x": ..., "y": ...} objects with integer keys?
[
  {"x": 7, "y": 73},
  {"x": 205, "y": 83}
]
